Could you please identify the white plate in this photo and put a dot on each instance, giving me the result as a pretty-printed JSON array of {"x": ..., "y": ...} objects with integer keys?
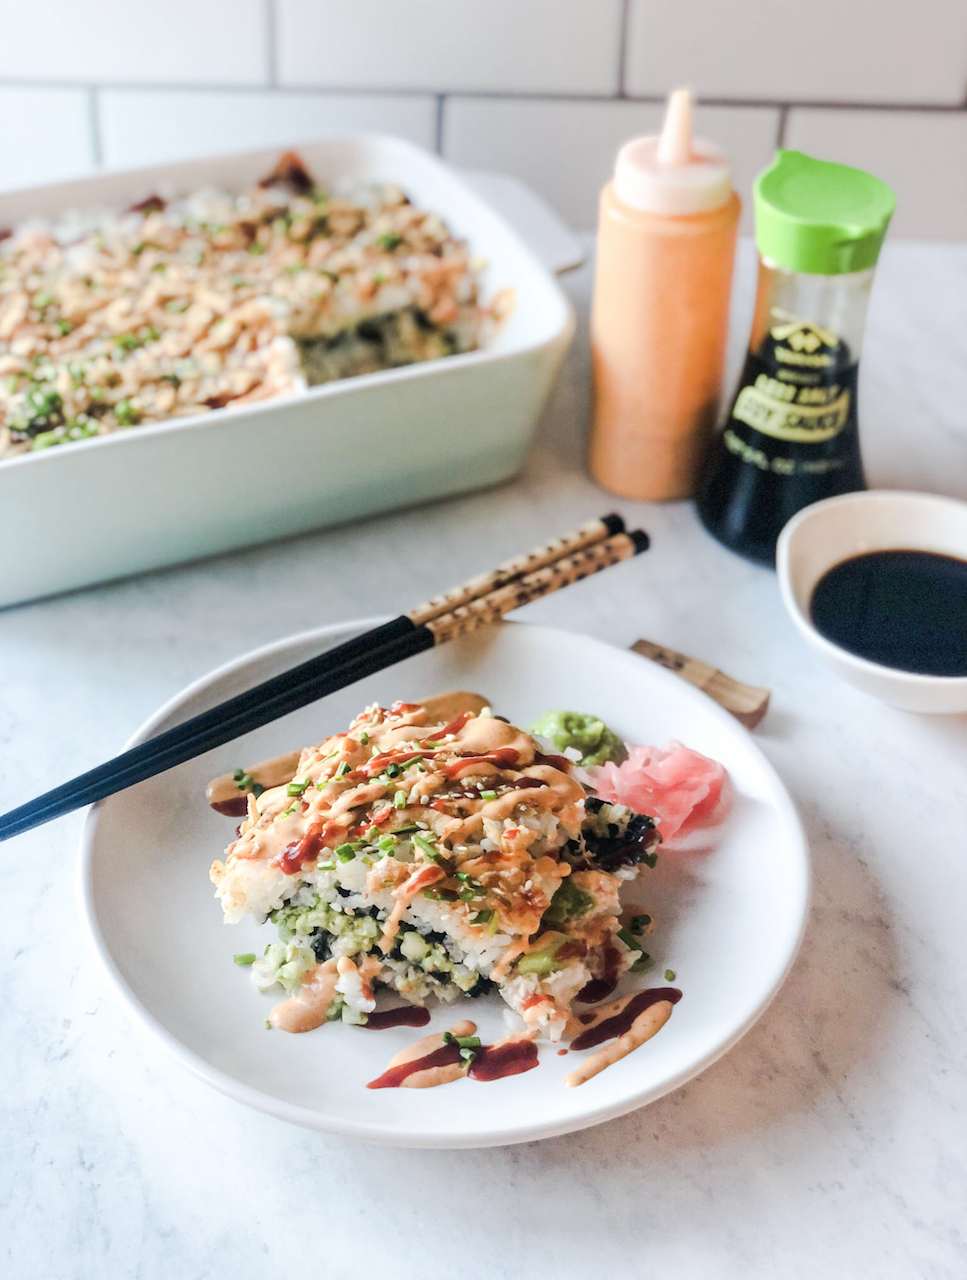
[{"x": 729, "y": 919}]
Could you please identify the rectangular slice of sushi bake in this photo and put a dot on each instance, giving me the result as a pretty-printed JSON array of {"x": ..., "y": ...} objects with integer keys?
[{"x": 435, "y": 860}]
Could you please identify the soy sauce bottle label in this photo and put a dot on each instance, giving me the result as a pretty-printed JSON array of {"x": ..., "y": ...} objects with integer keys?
[
  {"x": 798, "y": 393},
  {"x": 791, "y": 438}
]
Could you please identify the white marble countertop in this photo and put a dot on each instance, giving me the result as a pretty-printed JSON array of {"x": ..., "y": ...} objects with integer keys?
[{"x": 829, "y": 1143}]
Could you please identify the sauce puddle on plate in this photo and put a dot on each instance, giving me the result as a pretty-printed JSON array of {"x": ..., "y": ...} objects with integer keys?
[
  {"x": 441, "y": 1059},
  {"x": 408, "y": 1015},
  {"x": 621, "y": 1021}
]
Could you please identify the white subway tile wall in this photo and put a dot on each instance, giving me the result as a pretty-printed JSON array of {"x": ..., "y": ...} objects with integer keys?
[
  {"x": 566, "y": 150},
  {"x": 500, "y": 46},
  {"x": 921, "y": 155},
  {"x": 544, "y": 89},
  {"x": 884, "y": 51},
  {"x": 132, "y": 41},
  {"x": 45, "y": 135},
  {"x": 151, "y": 126}
]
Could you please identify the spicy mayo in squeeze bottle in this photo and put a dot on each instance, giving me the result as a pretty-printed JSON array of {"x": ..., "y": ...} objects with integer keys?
[{"x": 666, "y": 246}]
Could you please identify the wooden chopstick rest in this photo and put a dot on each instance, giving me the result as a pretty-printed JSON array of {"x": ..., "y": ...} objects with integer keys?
[{"x": 745, "y": 701}]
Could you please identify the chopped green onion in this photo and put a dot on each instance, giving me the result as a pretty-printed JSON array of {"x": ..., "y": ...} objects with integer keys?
[
  {"x": 296, "y": 788},
  {"x": 468, "y": 894},
  {"x": 64, "y": 327},
  {"x": 638, "y": 924},
  {"x": 257, "y": 789},
  {"x": 268, "y": 1024},
  {"x": 364, "y": 738},
  {"x": 238, "y": 774},
  {"x": 389, "y": 240},
  {"x": 465, "y": 1042},
  {"x": 488, "y": 795},
  {"x": 669, "y": 975},
  {"x": 325, "y": 866},
  {"x": 464, "y": 875},
  {"x": 482, "y": 917},
  {"x": 345, "y": 852},
  {"x": 643, "y": 962},
  {"x": 293, "y": 808},
  {"x": 404, "y": 831},
  {"x": 386, "y": 844},
  {"x": 427, "y": 847},
  {"x": 629, "y": 939},
  {"x": 342, "y": 770},
  {"x": 242, "y": 780},
  {"x": 393, "y": 770},
  {"x": 247, "y": 957},
  {"x": 399, "y": 800},
  {"x": 440, "y": 895},
  {"x": 172, "y": 378}
]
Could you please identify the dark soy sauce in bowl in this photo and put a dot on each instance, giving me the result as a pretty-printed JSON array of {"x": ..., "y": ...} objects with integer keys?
[{"x": 902, "y": 609}]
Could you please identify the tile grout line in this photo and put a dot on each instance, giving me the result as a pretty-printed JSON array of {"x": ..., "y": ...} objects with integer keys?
[
  {"x": 781, "y": 129},
  {"x": 94, "y": 125},
  {"x": 270, "y": 17},
  {"x": 623, "y": 48},
  {"x": 522, "y": 95}
]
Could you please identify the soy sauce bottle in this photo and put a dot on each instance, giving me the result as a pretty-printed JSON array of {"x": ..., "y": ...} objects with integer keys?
[{"x": 792, "y": 436}]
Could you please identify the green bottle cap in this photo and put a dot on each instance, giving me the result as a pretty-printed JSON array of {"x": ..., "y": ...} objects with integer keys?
[{"x": 821, "y": 218}]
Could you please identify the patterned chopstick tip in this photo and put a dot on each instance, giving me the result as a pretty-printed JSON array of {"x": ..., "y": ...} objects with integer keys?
[
  {"x": 590, "y": 534},
  {"x": 533, "y": 586}
]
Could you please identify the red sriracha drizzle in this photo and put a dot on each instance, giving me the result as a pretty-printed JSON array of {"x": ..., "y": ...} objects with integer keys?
[
  {"x": 364, "y": 828},
  {"x": 295, "y": 855},
  {"x": 453, "y": 727},
  {"x": 378, "y": 763},
  {"x": 502, "y": 758},
  {"x": 556, "y": 762}
]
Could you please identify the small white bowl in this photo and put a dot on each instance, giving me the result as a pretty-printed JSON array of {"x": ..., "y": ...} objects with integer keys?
[{"x": 829, "y": 532}]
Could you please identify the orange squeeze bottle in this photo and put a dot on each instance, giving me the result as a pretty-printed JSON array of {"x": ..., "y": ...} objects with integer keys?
[{"x": 659, "y": 321}]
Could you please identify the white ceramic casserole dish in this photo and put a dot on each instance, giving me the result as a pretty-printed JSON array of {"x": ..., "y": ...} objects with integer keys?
[{"x": 173, "y": 491}]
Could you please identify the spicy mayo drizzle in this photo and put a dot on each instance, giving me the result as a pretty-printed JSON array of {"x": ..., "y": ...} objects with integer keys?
[
  {"x": 627, "y": 1023},
  {"x": 440, "y": 1063}
]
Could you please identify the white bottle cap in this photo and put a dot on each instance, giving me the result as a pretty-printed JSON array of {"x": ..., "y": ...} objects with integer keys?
[{"x": 674, "y": 174}]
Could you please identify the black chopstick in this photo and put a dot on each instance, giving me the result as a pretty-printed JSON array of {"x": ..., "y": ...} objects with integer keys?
[
  {"x": 365, "y": 654},
  {"x": 247, "y": 711}
]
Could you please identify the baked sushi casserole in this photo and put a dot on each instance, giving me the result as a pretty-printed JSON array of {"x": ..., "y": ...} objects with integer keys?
[
  {"x": 110, "y": 319},
  {"x": 436, "y": 861}
]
